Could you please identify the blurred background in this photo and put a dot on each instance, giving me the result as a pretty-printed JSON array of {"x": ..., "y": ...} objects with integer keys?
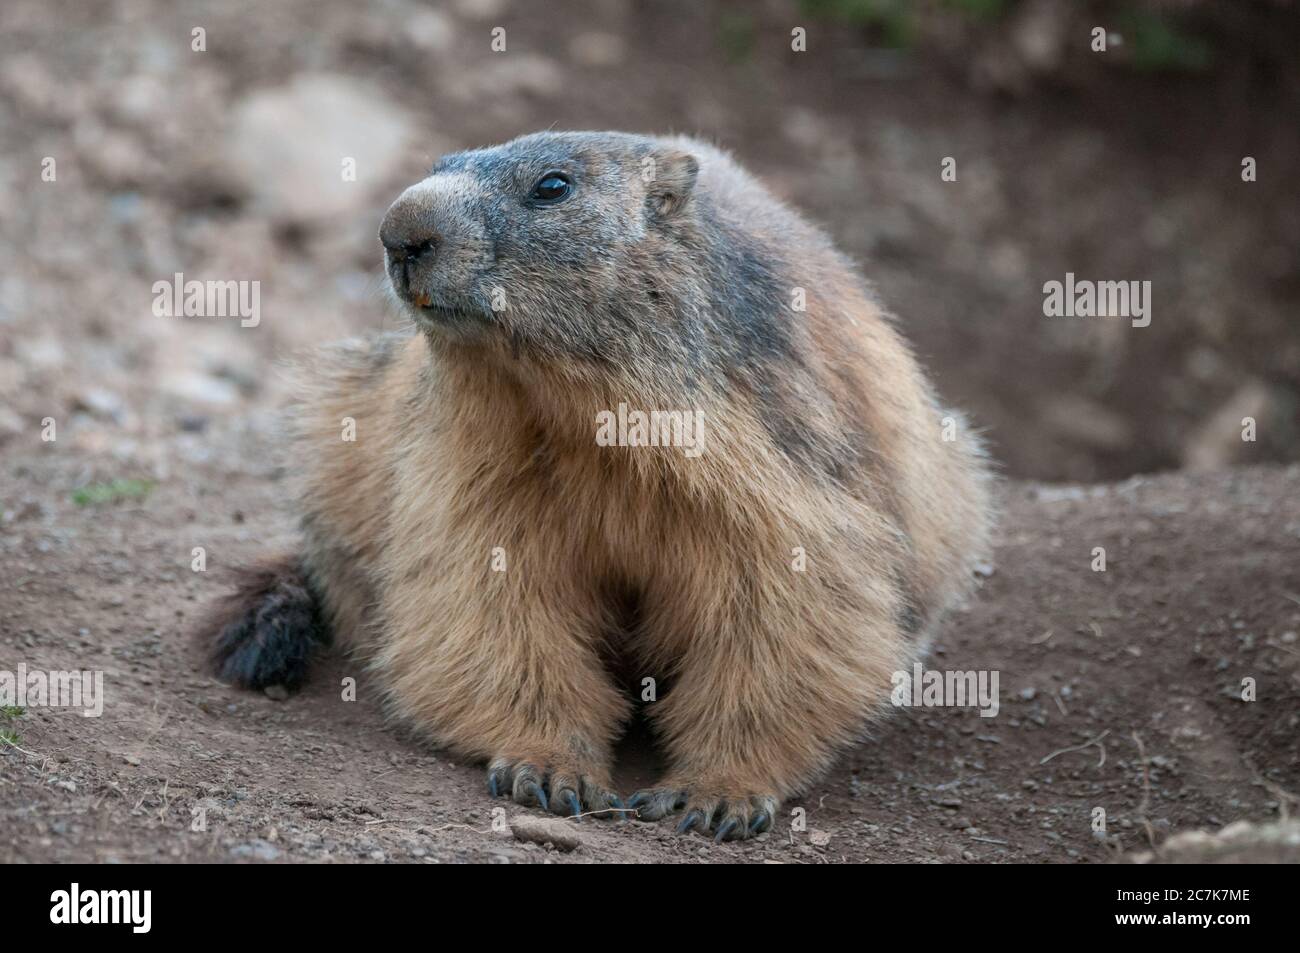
[{"x": 207, "y": 138}]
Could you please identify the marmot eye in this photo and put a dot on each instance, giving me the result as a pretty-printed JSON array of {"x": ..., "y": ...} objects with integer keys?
[{"x": 552, "y": 187}]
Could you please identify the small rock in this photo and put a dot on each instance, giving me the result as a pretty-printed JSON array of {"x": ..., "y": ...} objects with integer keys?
[
  {"x": 11, "y": 425},
  {"x": 255, "y": 850},
  {"x": 200, "y": 388},
  {"x": 100, "y": 402},
  {"x": 1217, "y": 442},
  {"x": 543, "y": 830},
  {"x": 1236, "y": 829},
  {"x": 287, "y": 146},
  {"x": 192, "y": 423},
  {"x": 430, "y": 30}
]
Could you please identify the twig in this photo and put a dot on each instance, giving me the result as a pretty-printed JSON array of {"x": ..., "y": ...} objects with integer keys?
[
  {"x": 162, "y": 811},
  {"x": 1284, "y": 797},
  {"x": 458, "y": 827},
  {"x": 31, "y": 754},
  {"x": 1146, "y": 790},
  {"x": 1087, "y": 744},
  {"x": 607, "y": 810}
]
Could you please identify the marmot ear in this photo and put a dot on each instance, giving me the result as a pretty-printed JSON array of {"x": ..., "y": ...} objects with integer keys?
[{"x": 669, "y": 175}]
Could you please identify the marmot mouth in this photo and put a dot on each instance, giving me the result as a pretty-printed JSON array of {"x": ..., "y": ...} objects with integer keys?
[{"x": 429, "y": 311}]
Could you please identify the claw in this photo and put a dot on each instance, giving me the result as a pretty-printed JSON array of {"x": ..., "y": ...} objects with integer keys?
[
  {"x": 570, "y": 798},
  {"x": 640, "y": 799},
  {"x": 494, "y": 779},
  {"x": 725, "y": 828},
  {"x": 535, "y": 789},
  {"x": 617, "y": 803},
  {"x": 689, "y": 821},
  {"x": 762, "y": 820}
]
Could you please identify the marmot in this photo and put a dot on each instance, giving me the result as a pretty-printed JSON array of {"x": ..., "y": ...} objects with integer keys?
[{"x": 503, "y": 568}]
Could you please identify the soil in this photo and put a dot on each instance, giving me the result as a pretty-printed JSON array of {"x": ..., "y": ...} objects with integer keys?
[
  {"x": 166, "y": 427},
  {"x": 1146, "y": 659}
]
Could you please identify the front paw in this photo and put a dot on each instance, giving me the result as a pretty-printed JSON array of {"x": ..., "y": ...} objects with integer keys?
[
  {"x": 566, "y": 790},
  {"x": 726, "y": 816}
]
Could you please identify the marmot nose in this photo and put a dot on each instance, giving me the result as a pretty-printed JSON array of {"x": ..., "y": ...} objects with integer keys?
[
  {"x": 403, "y": 250},
  {"x": 407, "y": 231}
]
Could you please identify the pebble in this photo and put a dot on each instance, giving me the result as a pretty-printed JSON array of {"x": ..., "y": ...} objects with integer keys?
[
  {"x": 255, "y": 850},
  {"x": 545, "y": 830}
]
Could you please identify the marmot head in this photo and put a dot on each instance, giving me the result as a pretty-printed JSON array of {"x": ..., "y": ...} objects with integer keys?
[{"x": 574, "y": 247}]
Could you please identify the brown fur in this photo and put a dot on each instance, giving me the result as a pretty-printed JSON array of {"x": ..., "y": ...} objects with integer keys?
[{"x": 462, "y": 446}]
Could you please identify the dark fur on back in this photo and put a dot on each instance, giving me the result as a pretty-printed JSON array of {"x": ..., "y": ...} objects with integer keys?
[{"x": 265, "y": 631}]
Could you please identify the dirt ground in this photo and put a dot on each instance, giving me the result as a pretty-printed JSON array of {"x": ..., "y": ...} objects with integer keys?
[
  {"x": 1201, "y": 590},
  {"x": 224, "y": 164}
]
